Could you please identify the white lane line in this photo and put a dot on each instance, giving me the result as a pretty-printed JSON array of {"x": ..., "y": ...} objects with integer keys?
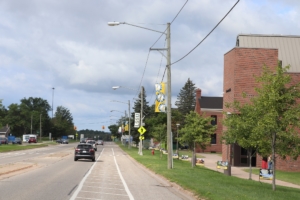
[
  {"x": 123, "y": 181},
  {"x": 84, "y": 178},
  {"x": 104, "y": 188},
  {"x": 105, "y": 193}
]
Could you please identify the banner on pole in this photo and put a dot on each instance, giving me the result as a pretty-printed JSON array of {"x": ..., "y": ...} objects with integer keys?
[{"x": 160, "y": 100}]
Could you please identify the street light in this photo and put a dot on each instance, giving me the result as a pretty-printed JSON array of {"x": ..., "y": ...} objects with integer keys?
[
  {"x": 129, "y": 140},
  {"x": 168, "y": 49},
  {"x": 52, "y": 100},
  {"x": 140, "y": 152}
]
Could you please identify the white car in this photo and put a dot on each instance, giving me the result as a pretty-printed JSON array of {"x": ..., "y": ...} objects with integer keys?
[{"x": 92, "y": 142}]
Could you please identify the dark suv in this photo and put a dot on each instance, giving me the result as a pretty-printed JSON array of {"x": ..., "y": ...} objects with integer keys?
[{"x": 85, "y": 151}]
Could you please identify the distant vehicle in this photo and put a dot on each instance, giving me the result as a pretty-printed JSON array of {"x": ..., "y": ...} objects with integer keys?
[
  {"x": 85, "y": 151},
  {"x": 58, "y": 141},
  {"x": 100, "y": 142},
  {"x": 17, "y": 141},
  {"x": 64, "y": 141},
  {"x": 32, "y": 140},
  {"x": 3, "y": 140},
  {"x": 82, "y": 140},
  {"x": 92, "y": 142}
]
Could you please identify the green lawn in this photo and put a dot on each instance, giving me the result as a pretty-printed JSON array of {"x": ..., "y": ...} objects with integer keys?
[
  {"x": 16, "y": 147},
  {"x": 211, "y": 184},
  {"x": 291, "y": 177}
]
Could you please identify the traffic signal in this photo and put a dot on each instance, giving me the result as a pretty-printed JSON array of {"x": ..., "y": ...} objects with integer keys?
[
  {"x": 103, "y": 127},
  {"x": 75, "y": 128}
]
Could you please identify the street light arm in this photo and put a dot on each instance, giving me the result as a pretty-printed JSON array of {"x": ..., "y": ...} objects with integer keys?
[
  {"x": 116, "y": 111},
  {"x": 117, "y": 87},
  {"x": 118, "y": 23},
  {"x": 119, "y": 101}
]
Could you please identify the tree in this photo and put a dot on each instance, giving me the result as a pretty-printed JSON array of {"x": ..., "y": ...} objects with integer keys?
[
  {"x": 280, "y": 121},
  {"x": 63, "y": 122},
  {"x": 270, "y": 123},
  {"x": 186, "y": 99},
  {"x": 197, "y": 129},
  {"x": 240, "y": 130}
]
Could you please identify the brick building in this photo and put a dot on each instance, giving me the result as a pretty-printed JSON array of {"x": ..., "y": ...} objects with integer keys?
[
  {"x": 251, "y": 53},
  {"x": 241, "y": 63}
]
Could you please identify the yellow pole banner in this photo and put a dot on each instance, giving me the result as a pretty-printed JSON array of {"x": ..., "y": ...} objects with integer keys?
[
  {"x": 160, "y": 91},
  {"x": 126, "y": 127}
]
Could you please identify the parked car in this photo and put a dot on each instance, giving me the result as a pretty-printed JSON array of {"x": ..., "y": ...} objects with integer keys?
[
  {"x": 92, "y": 142},
  {"x": 58, "y": 141},
  {"x": 32, "y": 140},
  {"x": 17, "y": 141},
  {"x": 84, "y": 151},
  {"x": 100, "y": 142},
  {"x": 65, "y": 141},
  {"x": 3, "y": 140}
]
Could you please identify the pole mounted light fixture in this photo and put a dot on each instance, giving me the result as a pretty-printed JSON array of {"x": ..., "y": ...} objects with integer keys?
[{"x": 167, "y": 33}]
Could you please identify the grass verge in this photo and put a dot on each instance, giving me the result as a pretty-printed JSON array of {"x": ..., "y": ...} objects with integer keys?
[
  {"x": 291, "y": 177},
  {"x": 16, "y": 147},
  {"x": 209, "y": 184}
]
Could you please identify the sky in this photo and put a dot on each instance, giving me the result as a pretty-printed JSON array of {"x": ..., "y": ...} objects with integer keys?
[{"x": 67, "y": 45}]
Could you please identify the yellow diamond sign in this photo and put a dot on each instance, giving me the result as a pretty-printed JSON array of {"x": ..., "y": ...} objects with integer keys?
[{"x": 141, "y": 130}]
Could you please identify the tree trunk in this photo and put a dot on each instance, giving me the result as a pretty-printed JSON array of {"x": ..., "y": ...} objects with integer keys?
[
  {"x": 273, "y": 158},
  {"x": 250, "y": 163}
]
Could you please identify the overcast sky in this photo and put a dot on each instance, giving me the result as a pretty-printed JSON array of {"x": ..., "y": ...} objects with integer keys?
[{"x": 67, "y": 45}]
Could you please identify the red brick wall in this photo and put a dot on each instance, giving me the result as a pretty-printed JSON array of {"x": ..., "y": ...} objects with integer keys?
[
  {"x": 240, "y": 67},
  {"x": 211, "y": 147}
]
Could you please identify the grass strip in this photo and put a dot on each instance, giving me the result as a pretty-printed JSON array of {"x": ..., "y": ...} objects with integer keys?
[
  {"x": 16, "y": 147},
  {"x": 209, "y": 184}
]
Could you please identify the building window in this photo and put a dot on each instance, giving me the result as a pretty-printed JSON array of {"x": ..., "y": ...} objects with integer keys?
[
  {"x": 214, "y": 120},
  {"x": 213, "y": 139}
]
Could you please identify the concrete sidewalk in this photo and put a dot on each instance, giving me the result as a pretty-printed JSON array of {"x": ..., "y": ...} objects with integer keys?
[{"x": 211, "y": 163}]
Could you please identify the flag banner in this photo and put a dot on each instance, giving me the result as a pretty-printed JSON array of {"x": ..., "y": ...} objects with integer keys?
[{"x": 160, "y": 100}]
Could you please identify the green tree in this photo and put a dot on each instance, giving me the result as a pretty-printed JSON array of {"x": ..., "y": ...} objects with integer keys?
[
  {"x": 186, "y": 99},
  {"x": 3, "y": 113},
  {"x": 63, "y": 122},
  {"x": 197, "y": 129},
  {"x": 279, "y": 112},
  {"x": 240, "y": 130}
]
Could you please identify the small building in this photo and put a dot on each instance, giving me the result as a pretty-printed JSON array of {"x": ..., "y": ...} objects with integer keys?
[
  {"x": 212, "y": 107},
  {"x": 5, "y": 131}
]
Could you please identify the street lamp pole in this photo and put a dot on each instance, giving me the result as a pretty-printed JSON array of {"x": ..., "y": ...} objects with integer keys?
[
  {"x": 142, "y": 106},
  {"x": 168, "y": 49},
  {"x": 52, "y": 100},
  {"x": 129, "y": 142}
]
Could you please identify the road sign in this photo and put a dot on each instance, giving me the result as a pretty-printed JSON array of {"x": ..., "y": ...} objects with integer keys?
[
  {"x": 141, "y": 130},
  {"x": 137, "y": 119}
]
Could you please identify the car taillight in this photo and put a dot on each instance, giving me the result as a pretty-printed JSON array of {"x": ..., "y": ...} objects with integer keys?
[
  {"x": 92, "y": 150},
  {"x": 77, "y": 150}
]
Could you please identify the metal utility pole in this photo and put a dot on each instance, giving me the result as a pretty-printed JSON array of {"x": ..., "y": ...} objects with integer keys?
[
  {"x": 129, "y": 141},
  {"x": 52, "y": 100},
  {"x": 41, "y": 127},
  {"x": 142, "y": 105}
]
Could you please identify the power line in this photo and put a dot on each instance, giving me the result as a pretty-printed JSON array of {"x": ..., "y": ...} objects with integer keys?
[
  {"x": 207, "y": 34},
  {"x": 171, "y": 23}
]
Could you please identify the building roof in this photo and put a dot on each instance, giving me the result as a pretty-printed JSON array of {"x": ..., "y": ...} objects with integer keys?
[
  {"x": 211, "y": 102},
  {"x": 288, "y": 47}
]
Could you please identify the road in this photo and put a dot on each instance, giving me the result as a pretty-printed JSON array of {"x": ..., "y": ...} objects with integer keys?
[{"x": 55, "y": 175}]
